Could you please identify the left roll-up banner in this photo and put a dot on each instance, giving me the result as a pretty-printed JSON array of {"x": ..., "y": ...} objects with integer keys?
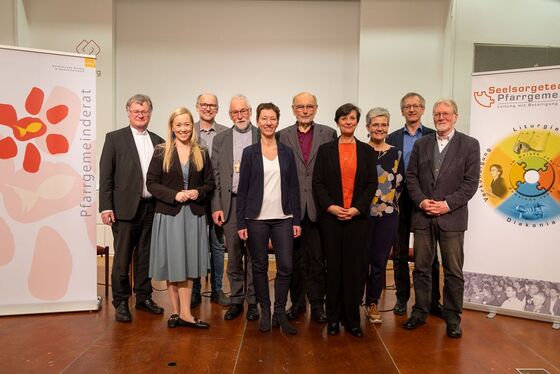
[{"x": 48, "y": 172}]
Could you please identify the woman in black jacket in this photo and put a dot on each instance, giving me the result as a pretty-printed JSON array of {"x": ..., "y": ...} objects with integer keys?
[
  {"x": 180, "y": 178},
  {"x": 344, "y": 182}
]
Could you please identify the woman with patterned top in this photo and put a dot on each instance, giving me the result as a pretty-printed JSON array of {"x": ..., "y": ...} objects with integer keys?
[{"x": 384, "y": 208}]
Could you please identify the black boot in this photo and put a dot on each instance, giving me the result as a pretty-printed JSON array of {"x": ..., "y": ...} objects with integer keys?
[
  {"x": 264, "y": 322},
  {"x": 281, "y": 321}
]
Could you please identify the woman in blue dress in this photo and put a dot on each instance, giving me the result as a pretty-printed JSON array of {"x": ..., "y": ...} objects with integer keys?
[{"x": 180, "y": 178}]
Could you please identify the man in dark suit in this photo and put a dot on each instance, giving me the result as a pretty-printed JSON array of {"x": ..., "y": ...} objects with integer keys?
[
  {"x": 207, "y": 128},
  {"x": 442, "y": 177},
  {"x": 412, "y": 109},
  {"x": 308, "y": 277},
  {"x": 127, "y": 206},
  {"x": 227, "y": 149}
]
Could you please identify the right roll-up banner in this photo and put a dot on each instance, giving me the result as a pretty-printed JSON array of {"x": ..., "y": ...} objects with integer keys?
[{"x": 512, "y": 246}]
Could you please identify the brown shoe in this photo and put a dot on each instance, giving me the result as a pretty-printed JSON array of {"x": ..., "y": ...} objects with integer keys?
[{"x": 372, "y": 313}]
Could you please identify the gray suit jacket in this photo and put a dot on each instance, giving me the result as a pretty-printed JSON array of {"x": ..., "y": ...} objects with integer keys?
[
  {"x": 456, "y": 183},
  {"x": 321, "y": 135},
  {"x": 222, "y": 163}
]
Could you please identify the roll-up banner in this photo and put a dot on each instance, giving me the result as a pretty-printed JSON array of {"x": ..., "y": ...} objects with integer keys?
[
  {"x": 47, "y": 182},
  {"x": 512, "y": 246}
]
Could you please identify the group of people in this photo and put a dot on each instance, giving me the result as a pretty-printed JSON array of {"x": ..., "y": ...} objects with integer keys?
[
  {"x": 513, "y": 293},
  {"x": 330, "y": 207}
]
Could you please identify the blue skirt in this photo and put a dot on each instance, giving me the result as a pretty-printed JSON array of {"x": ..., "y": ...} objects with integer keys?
[{"x": 179, "y": 246}]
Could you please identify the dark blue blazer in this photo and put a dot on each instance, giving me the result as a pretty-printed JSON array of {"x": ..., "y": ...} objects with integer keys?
[{"x": 251, "y": 184}]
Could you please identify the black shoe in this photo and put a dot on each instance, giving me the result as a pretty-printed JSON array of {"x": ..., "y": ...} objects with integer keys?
[
  {"x": 122, "y": 314},
  {"x": 264, "y": 322},
  {"x": 233, "y": 312},
  {"x": 356, "y": 331},
  {"x": 319, "y": 316},
  {"x": 196, "y": 299},
  {"x": 252, "y": 312},
  {"x": 454, "y": 330},
  {"x": 280, "y": 320},
  {"x": 220, "y": 298},
  {"x": 400, "y": 308},
  {"x": 333, "y": 328},
  {"x": 150, "y": 306},
  {"x": 437, "y": 310},
  {"x": 413, "y": 322},
  {"x": 173, "y": 321},
  {"x": 197, "y": 324},
  {"x": 294, "y": 312}
]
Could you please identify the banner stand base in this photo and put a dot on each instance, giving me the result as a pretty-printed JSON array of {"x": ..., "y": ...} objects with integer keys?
[
  {"x": 491, "y": 315},
  {"x": 556, "y": 326}
]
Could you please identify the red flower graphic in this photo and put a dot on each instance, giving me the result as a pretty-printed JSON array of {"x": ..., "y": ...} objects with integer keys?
[{"x": 31, "y": 127}]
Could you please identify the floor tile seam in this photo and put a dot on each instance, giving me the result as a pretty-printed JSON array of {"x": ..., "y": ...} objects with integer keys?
[
  {"x": 523, "y": 344},
  {"x": 386, "y": 349},
  {"x": 241, "y": 341},
  {"x": 86, "y": 349}
]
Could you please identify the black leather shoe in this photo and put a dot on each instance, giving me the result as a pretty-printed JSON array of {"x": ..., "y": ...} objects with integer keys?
[
  {"x": 150, "y": 306},
  {"x": 122, "y": 314},
  {"x": 400, "y": 308},
  {"x": 454, "y": 330},
  {"x": 357, "y": 332},
  {"x": 196, "y": 299},
  {"x": 233, "y": 312},
  {"x": 197, "y": 324},
  {"x": 173, "y": 321},
  {"x": 333, "y": 328},
  {"x": 437, "y": 310},
  {"x": 413, "y": 322},
  {"x": 252, "y": 312},
  {"x": 318, "y": 316},
  {"x": 294, "y": 312}
]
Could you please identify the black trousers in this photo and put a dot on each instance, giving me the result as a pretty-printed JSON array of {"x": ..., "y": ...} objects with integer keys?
[
  {"x": 280, "y": 232},
  {"x": 381, "y": 235},
  {"x": 132, "y": 240},
  {"x": 346, "y": 258},
  {"x": 452, "y": 258},
  {"x": 400, "y": 254},
  {"x": 308, "y": 277}
]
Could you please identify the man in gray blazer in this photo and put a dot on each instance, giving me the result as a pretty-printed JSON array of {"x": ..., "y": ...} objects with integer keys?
[
  {"x": 227, "y": 149},
  {"x": 442, "y": 176},
  {"x": 308, "y": 278},
  {"x": 127, "y": 206},
  {"x": 207, "y": 128}
]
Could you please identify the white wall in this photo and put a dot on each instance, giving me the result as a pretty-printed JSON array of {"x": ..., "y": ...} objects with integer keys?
[
  {"x": 7, "y": 22},
  {"x": 60, "y": 25},
  {"x": 401, "y": 50},
  {"x": 522, "y": 22},
  {"x": 267, "y": 50}
]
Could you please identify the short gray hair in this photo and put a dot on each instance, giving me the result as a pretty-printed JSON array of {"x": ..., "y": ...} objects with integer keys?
[
  {"x": 377, "y": 112},
  {"x": 139, "y": 99},
  {"x": 448, "y": 102},
  {"x": 241, "y": 97}
]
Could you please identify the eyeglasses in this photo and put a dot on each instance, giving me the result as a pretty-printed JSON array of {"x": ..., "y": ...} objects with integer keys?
[
  {"x": 243, "y": 112},
  {"x": 309, "y": 107},
  {"x": 413, "y": 106},
  {"x": 443, "y": 115},
  {"x": 205, "y": 106},
  {"x": 381, "y": 125},
  {"x": 137, "y": 113}
]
